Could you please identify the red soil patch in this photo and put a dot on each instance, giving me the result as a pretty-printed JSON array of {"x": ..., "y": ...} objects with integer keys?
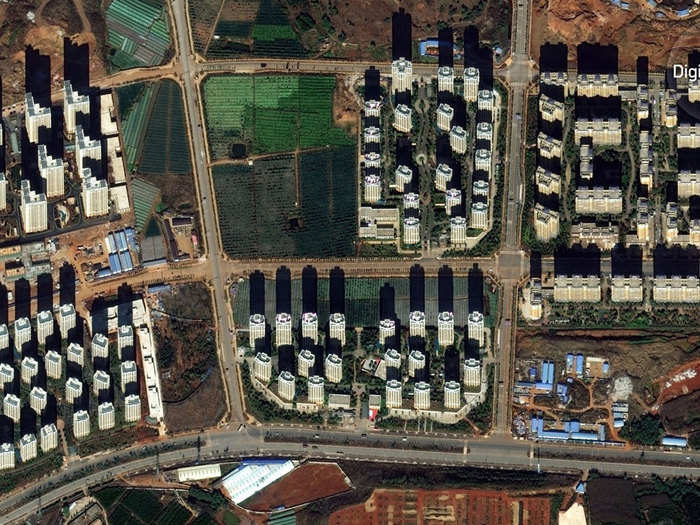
[
  {"x": 469, "y": 507},
  {"x": 309, "y": 482},
  {"x": 679, "y": 382}
]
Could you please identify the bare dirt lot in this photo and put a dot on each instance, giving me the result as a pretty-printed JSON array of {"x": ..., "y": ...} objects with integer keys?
[
  {"x": 54, "y": 19},
  {"x": 309, "y": 482},
  {"x": 682, "y": 415},
  {"x": 189, "y": 368},
  {"x": 636, "y": 32},
  {"x": 643, "y": 355},
  {"x": 469, "y": 507}
]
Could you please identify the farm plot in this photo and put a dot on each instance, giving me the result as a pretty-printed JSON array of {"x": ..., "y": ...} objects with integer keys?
[
  {"x": 203, "y": 15},
  {"x": 232, "y": 35},
  {"x": 272, "y": 34},
  {"x": 260, "y": 213},
  {"x": 269, "y": 114},
  {"x": 134, "y": 116},
  {"x": 167, "y": 149}
]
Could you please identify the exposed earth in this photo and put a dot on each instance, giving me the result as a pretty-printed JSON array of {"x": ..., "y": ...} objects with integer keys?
[
  {"x": 636, "y": 32},
  {"x": 53, "y": 20}
]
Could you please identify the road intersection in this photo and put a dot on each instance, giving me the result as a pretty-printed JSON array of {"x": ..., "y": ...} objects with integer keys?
[{"x": 508, "y": 267}]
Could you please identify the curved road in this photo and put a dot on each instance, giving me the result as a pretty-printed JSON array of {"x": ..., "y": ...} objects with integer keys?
[{"x": 380, "y": 447}]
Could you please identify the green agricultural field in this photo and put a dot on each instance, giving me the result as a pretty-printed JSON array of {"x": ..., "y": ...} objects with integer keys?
[
  {"x": 270, "y": 113},
  {"x": 167, "y": 149},
  {"x": 154, "y": 111},
  {"x": 174, "y": 514},
  {"x": 259, "y": 215},
  {"x": 136, "y": 100}
]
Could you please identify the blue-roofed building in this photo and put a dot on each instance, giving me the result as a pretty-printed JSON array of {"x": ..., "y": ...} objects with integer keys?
[
  {"x": 533, "y": 425},
  {"x": 683, "y": 12},
  {"x": 558, "y": 435},
  {"x": 601, "y": 432},
  {"x": 114, "y": 263},
  {"x": 550, "y": 373},
  {"x": 615, "y": 2},
  {"x": 581, "y": 488},
  {"x": 625, "y": 6},
  {"x": 575, "y": 425},
  {"x": 567, "y": 426},
  {"x": 563, "y": 392},
  {"x": 585, "y": 436},
  {"x": 672, "y": 441},
  {"x": 533, "y": 373},
  {"x": 651, "y": 3},
  {"x": 660, "y": 14},
  {"x": 541, "y": 385},
  {"x": 125, "y": 261},
  {"x": 104, "y": 272},
  {"x": 121, "y": 240},
  {"x": 569, "y": 363},
  {"x": 111, "y": 244},
  {"x": 606, "y": 367},
  {"x": 618, "y": 422},
  {"x": 579, "y": 365},
  {"x": 544, "y": 370}
]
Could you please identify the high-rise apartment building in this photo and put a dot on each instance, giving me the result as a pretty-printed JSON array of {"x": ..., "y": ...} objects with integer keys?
[
  {"x": 132, "y": 408},
  {"x": 262, "y": 367},
  {"x": 44, "y": 326},
  {"x": 411, "y": 230},
  {"x": 475, "y": 327},
  {"x": 85, "y": 148},
  {"x": 315, "y": 388},
  {"x": 23, "y": 332},
  {"x": 445, "y": 114},
  {"x": 283, "y": 329},
  {"x": 471, "y": 84},
  {"x": 309, "y": 326},
  {"x": 256, "y": 328},
  {"x": 333, "y": 368},
  {"x": 416, "y": 324},
  {"x": 443, "y": 175},
  {"x": 446, "y": 78},
  {"x": 446, "y": 328},
  {"x": 401, "y": 75},
  {"x": 336, "y": 327},
  {"x": 66, "y": 319},
  {"x": 458, "y": 140},
  {"x": 394, "y": 394},
  {"x": 33, "y": 208},
  {"x": 479, "y": 218},
  {"x": 29, "y": 368},
  {"x": 53, "y": 361},
  {"x": 453, "y": 394},
  {"x": 75, "y": 354},
  {"x": 52, "y": 172},
  {"x": 81, "y": 424},
  {"x": 373, "y": 188},
  {"x": 305, "y": 362},
  {"x": 402, "y": 118},
  {"x": 421, "y": 395},
  {"x": 402, "y": 175},
  {"x": 99, "y": 346},
  {"x": 286, "y": 386},
  {"x": 95, "y": 195},
  {"x": 105, "y": 416},
  {"x": 35, "y": 117},
  {"x": 73, "y": 103},
  {"x": 128, "y": 372},
  {"x": 458, "y": 231}
]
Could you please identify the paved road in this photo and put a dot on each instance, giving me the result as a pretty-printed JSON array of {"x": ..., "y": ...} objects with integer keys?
[
  {"x": 206, "y": 205},
  {"x": 494, "y": 452},
  {"x": 511, "y": 263}
]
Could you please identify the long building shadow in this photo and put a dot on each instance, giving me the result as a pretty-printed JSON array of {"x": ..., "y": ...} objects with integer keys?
[
  {"x": 683, "y": 262},
  {"x": 44, "y": 291},
  {"x": 309, "y": 289},
  {"x": 283, "y": 290},
  {"x": 451, "y": 364},
  {"x": 401, "y": 35},
  {"x": 417, "y": 288},
  {"x": 336, "y": 290},
  {"x": 23, "y": 298},
  {"x": 445, "y": 289},
  {"x": 66, "y": 278},
  {"x": 257, "y": 293},
  {"x": 475, "y": 289}
]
